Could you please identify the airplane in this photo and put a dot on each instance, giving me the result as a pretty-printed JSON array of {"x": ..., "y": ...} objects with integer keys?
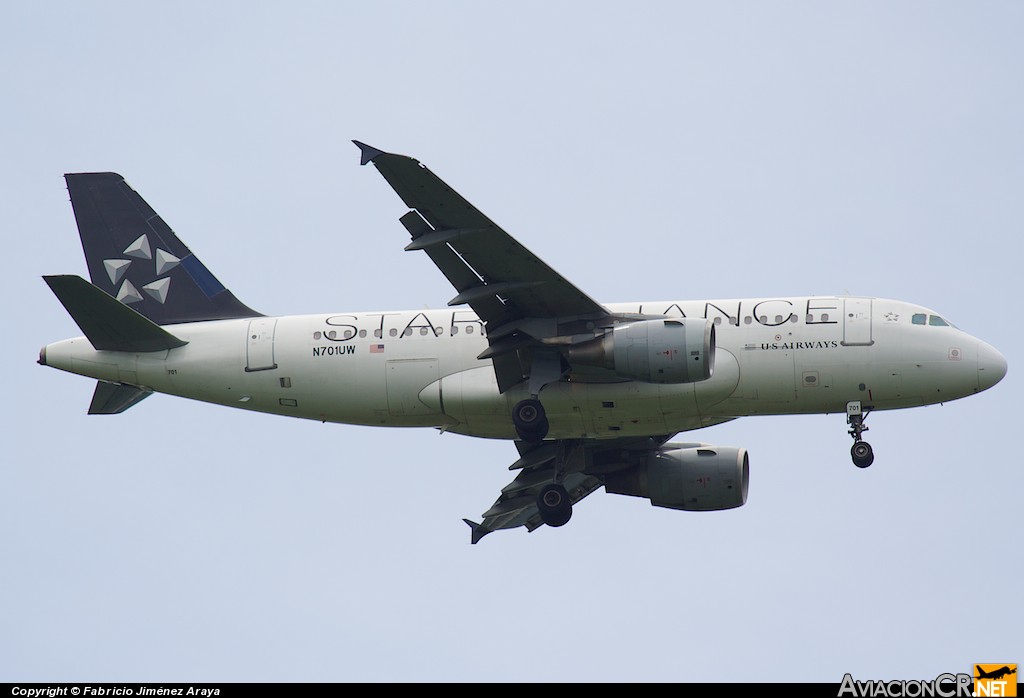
[
  {"x": 591, "y": 393},
  {"x": 994, "y": 674}
]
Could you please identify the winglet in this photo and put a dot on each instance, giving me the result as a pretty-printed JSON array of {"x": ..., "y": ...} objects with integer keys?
[
  {"x": 479, "y": 531},
  {"x": 367, "y": 152}
]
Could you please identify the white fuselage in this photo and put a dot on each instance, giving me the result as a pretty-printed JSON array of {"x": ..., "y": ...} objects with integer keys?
[{"x": 420, "y": 368}]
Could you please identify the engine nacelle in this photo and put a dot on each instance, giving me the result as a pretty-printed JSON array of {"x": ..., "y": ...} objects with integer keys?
[
  {"x": 675, "y": 350},
  {"x": 692, "y": 477}
]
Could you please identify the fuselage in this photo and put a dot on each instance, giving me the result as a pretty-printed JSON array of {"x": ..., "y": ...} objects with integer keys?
[{"x": 792, "y": 355}]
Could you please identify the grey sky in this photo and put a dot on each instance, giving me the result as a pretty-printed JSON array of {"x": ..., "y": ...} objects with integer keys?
[{"x": 646, "y": 151}]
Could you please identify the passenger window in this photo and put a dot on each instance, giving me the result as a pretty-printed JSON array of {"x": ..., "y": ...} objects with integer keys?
[
  {"x": 918, "y": 318},
  {"x": 936, "y": 321}
]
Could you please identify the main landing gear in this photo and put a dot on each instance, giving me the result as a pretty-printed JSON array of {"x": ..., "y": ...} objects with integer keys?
[
  {"x": 528, "y": 416},
  {"x": 554, "y": 505},
  {"x": 862, "y": 453},
  {"x": 530, "y": 420}
]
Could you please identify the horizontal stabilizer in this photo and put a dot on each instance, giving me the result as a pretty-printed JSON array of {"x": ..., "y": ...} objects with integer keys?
[
  {"x": 109, "y": 324},
  {"x": 115, "y": 398}
]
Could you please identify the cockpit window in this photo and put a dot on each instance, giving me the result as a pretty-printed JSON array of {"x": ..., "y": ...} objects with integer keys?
[{"x": 933, "y": 320}]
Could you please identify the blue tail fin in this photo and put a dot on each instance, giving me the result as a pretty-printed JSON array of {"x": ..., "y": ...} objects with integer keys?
[{"x": 136, "y": 257}]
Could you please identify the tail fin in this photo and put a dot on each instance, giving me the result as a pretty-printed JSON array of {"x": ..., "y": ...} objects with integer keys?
[{"x": 136, "y": 257}]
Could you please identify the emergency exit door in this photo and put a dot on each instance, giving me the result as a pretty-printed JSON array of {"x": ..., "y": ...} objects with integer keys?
[
  {"x": 259, "y": 353},
  {"x": 857, "y": 322}
]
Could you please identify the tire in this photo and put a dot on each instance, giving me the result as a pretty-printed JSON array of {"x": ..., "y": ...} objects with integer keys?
[
  {"x": 862, "y": 454},
  {"x": 554, "y": 505},
  {"x": 530, "y": 420}
]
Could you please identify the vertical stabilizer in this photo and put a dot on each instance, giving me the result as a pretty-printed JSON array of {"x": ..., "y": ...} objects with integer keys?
[{"x": 135, "y": 256}]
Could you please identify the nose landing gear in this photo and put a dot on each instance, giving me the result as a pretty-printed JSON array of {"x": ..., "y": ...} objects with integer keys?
[{"x": 861, "y": 453}]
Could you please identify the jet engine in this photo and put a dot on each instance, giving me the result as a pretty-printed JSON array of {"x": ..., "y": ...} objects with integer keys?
[
  {"x": 692, "y": 477},
  {"x": 676, "y": 350}
]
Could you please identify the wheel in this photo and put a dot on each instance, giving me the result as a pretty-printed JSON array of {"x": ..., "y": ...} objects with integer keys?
[
  {"x": 554, "y": 505},
  {"x": 862, "y": 454},
  {"x": 530, "y": 421},
  {"x": 527, "y": 414}
]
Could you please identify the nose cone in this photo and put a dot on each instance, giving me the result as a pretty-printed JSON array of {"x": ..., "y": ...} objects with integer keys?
[{"x": 991, "y": 366}]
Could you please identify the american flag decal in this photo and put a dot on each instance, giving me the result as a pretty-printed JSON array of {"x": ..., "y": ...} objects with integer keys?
[{"x": 376, "y": 348}]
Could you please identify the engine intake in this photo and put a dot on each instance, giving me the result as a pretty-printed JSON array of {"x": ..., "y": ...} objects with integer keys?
[
  {"x": 676, "y": 350},
  {"x": 692, "y": 477}
]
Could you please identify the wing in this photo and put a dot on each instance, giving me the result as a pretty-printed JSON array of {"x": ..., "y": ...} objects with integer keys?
[
  {"x": 520, "y": 298},
  {"x": 577, "y": 464}
]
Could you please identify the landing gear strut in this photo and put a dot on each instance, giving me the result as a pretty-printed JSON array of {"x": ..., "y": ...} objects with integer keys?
[
  {"x": 861, "y": 453},
  {"x": 530, "y": 420},
  {"x": 528, "y": 415}
]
